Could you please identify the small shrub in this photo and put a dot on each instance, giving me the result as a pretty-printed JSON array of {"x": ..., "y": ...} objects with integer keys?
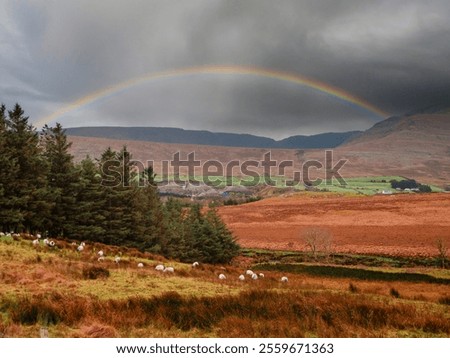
[
  {"x": 230, "y": 202},
  {"x": 394, "y": 293},
  {"x": 95, "y": 272},
  {"x": 424, "y": 188},
  {"x": 352, "y": 288}
]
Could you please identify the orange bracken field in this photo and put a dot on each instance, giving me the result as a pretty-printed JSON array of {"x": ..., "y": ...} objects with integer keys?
[{"x": 399, "y": 225}]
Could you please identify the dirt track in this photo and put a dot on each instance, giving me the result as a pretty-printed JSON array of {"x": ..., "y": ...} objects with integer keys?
[{"x": 406, "y": 224}]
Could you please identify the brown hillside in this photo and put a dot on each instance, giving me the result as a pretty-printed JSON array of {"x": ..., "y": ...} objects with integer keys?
[
  {"x": 158, "y": 152},
  {"x": 391, "y": 225},
  {"x": 416, "y": 147}
]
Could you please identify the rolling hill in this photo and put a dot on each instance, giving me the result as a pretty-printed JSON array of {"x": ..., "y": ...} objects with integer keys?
[
  {"x": 416, "y": 146},
  {"x": 182, "y": 136}
]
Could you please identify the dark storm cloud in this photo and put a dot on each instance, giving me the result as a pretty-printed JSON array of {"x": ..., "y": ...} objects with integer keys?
[{"x": 392, "y": 54}]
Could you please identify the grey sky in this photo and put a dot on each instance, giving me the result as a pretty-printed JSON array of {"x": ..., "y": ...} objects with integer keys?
[{"x": 393, "y": 54}]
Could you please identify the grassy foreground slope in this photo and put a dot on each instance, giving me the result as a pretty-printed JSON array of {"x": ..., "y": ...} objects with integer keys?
[{"x": 74, "y": 295}]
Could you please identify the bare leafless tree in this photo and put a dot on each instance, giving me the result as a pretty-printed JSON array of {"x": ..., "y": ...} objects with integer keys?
[
  {"x": 318, "y": 240},
  {"x": 442, "y": 251}
]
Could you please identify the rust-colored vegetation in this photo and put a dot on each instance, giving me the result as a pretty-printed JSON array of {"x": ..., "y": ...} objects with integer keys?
[
  {"x": 397, "y": 225},
  {"x": 252, "y": 313},
  {"x": 75, "y": 295}
]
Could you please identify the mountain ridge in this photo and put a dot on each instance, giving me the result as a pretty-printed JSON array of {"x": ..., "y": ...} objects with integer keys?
[{"x": 204, "y": 137}]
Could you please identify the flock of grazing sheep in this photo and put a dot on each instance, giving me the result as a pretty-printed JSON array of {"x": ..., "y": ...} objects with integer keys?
[{"x": 36, "y": 241}]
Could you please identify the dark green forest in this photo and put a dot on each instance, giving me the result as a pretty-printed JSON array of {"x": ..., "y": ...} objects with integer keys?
[{"x": 107, "y": 199}]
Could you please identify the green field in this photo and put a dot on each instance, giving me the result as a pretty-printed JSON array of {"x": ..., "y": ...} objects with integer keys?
[
  {"x": 367, "y": 185},
  {"x": 370, "y": 185}
]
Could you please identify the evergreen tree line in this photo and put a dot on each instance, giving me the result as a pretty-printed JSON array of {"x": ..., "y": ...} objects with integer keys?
[
  {"x": 105, "y": 200},
  {"x": 410, "y": 184}
]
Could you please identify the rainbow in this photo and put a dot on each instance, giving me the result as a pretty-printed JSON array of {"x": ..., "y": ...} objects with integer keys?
[{"x": 215, "y": 70}]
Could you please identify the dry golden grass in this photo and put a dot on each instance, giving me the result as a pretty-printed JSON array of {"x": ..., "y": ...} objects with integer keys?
[
  {"x": 252, "y": 313},
  {"x": 55, "y": 288}
]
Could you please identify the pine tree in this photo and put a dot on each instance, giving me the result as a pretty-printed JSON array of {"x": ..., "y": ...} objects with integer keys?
[
  {"x": 31, "y": 197},
  {"x": 209, "y": 238},
  {"x": 148, "y": 224},
  {"x": 10, "y": 216},
  {"x": 195, "y": 236},
  {"x": 62, "y": 178},
  {"x": 116, "y": 174},
  {"x": 225, "y": 245},
  {"x": 172, "y": 243},
  {"x": 88, "y": 215}
]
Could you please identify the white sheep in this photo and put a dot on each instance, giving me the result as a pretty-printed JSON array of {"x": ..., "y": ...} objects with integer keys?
[
  {"x": 195, "y": 264},
  {"x": 254, "y": 276},
  {"x": 51, "y": 243},
  {"x": 2, "y": 234},
  {"x": 261, "y": 275},
  {"x": 249, "y": 272},
  {"x": 140, "y": 265},
  {"x": 159, "y": 268},
  {"x": 284, "y": 279},
  {"x": 101, "y": 259},
  {"x": 46, "y": 242},
  {"x": 100, "y": 253},
  {"x": 169, "y": 269},
  {"x": 242, "y": 278},
  {"x": 38, "y": 236},
  {"x": 35, "y": 242},
  {"x": 117, "y": 259},
  {"x": 222, "y": 277},
  {"x": 80, "y": 248}
]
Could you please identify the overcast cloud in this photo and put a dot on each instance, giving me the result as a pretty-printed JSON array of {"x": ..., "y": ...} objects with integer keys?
[{"x": 393, "y": 54}]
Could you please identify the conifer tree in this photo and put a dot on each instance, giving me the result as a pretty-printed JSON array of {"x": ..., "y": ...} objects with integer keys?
[
  {"x": 148, "y": 222},
  {"x": 10, "y": 216},
  {"x": 224, "y": 245},
  {"x": 193, "y": 249},
  {"x": 116, "y": 171},
  {"x": 195, "y": 236},
  {"x": 62, "y": 178},
  {"x": 30, "y": 184},
  {"x": 88, "y": 216},
  {"x": 173, "y": 242}
]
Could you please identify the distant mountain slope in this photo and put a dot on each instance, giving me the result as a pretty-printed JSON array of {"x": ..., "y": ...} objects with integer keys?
[
  {"x": 323, "y": 140},
  {"x": 182, "y": 136},
  {"x": 416, "y": 146},
  {"x": 428, "y": 133}
]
